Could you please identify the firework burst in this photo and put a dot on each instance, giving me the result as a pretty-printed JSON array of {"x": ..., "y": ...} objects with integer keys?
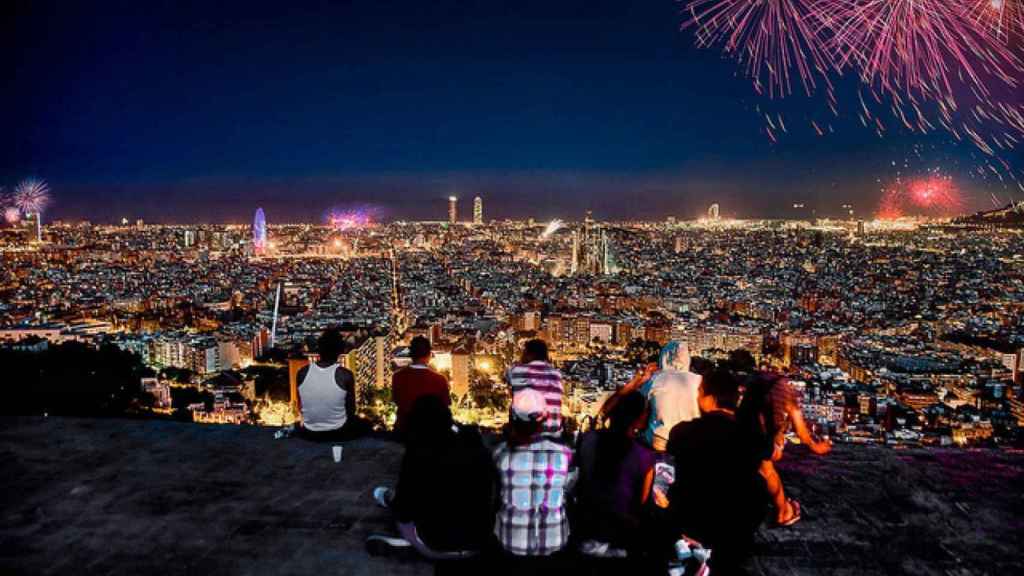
[
  {"x": 1002, "y": 18},
  {"x": 351, "y": 219},
  {"x": 32, "y": 196},
  {"x": 935, "y": 195},
  {"x": 925, "y": 48},
  {"x": 778, "y": 41}
]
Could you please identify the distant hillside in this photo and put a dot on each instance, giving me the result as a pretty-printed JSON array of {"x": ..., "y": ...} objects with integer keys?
[{"x": 1010, "y": 215}]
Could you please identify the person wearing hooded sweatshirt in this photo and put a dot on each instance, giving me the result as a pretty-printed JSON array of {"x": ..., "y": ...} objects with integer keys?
[{"x": 671, "y": 394}]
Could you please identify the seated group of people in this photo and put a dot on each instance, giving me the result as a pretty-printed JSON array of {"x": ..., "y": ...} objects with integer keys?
[{"x": 673, "y": 455}]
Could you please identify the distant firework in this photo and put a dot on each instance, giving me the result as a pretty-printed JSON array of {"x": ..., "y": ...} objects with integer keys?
[
  {"x": 933, "y": 195},
  {"x": 351, "y": 219},
  {"x": 550, "y": 229},
  {"x": 12, "y": 215},
  {"x": 32, "y": 196}
]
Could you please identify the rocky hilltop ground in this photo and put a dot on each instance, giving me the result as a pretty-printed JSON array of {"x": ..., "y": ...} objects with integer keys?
[{"x": 83, "y": 496}]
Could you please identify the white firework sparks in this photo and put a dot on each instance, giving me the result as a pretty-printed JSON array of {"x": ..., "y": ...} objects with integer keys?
[
  {"x": 32, "y": 196},
  {"x": 551, "y": 228}
]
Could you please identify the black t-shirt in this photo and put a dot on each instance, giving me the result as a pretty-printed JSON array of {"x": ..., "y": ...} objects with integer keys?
[{"x": 718, "y": 496}]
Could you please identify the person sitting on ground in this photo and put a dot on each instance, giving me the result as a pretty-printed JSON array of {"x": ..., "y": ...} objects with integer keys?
[
  {"x": 671, "y": 394},
  {"x": 721, "y": 499},
  {"x": 443, "y": 502},
  {"x": 769, "y": 408},
  {"x": 415, "y": 381},
  {"x": 533, "y": 470},
  {"x": 535, "y": 372},
  {"x": 616, "y": 472},
  {"x": 326, "y": 394}
]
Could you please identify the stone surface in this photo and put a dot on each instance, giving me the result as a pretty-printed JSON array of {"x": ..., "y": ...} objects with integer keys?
[{"x": 135, "y": 497}]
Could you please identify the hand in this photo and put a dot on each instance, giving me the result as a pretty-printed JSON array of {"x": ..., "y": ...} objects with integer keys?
[
  {"x": 822, "y": 447},
  {"x": 777, "y": 452}
]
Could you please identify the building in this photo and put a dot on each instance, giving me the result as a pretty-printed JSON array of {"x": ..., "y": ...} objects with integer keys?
[
  {"x": 713, "y": 212},
  {"x": 259, "y": 232},
  {"x": 370, "y": 362},
  {"x": 453, "y": 209},
  {"x": 478, "y": 211},
  {"x": 462, "y": 365}
]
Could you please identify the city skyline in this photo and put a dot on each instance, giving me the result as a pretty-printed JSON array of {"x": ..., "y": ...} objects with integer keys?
[{"x": 207, "y": 111}]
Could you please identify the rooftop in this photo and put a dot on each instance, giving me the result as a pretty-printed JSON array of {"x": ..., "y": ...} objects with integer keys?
[{"x": 135, "y": 497}]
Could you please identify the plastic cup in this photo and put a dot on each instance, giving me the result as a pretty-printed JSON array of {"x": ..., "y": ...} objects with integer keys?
[{"x": 336, "y": 452}]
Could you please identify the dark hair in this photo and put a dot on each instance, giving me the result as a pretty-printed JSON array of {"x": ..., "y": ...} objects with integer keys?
[
  {"x": 755, "y": 415},
  {"x": 701, "y": 366},
  {"x": 330, "y": 345},
  {"x": 419, "y": 348},
  {"x": 520, "y": 432},
  {"x": 430, "y": 421},
  {"x": 534, "y": 350},
  {"x": 723, "y": 387},
  {"x": 614, "y": 442}
]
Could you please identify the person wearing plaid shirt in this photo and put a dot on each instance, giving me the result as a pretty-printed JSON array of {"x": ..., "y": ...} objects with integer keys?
[
  {"x": 536, "y": 373},
  {"x": 534, "y": 473}
]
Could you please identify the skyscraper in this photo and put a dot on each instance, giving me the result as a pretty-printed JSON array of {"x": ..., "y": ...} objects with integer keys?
[
  {"x": 453, "y": 209},
  {"x": 259, "y": 232},
  {"x": 478, "y": 211}
]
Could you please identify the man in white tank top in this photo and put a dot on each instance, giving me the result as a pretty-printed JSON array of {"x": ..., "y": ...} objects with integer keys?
[{"x": 326, "y": 393}]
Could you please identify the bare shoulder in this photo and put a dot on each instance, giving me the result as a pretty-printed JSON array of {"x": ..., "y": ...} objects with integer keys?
[{"x": 343, "y": 376}]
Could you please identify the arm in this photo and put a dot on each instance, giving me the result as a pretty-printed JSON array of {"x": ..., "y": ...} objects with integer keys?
[
  {"x": 299, "y": 378},
  {"x": 632, "y": 386},
  {"x": 346, "y": 381},
  {"x": 801, "y": 429}
]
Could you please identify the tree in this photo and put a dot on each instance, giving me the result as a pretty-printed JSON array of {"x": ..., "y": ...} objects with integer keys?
[{"x": 73, "y": 379}]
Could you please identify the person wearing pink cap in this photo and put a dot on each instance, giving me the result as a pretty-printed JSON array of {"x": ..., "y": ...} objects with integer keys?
[{"x": 533, "y": 469}]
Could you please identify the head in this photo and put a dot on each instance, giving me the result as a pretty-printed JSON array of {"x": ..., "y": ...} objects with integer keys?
[
  {"x": 527, "y": 414},
  {"x": 627, "y": 413},
  {"x": 429, "y": 420},
  {"x": 701, "y": 366},
  {"x": 330, "y": 345},
  {"x": 419, "y": 350},
  {"x": 719, "y": 390},
  {"x": 675, "y": 356},
  {"x": 535, "y": 350}
]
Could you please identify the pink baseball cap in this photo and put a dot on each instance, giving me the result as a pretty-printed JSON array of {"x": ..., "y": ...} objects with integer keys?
[{"x": 528, "y": 405}]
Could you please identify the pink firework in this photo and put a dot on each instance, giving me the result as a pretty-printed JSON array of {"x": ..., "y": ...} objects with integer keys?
[
  {"x": 349, "y": 220},
  {"x": 1002, "y": 18},
  {"x": 918, "y": 48},
  {"x": 778, "y": 40},
  {"x": 932, "y": 195},
  {"x": 12, "y": 215},
  {"x": 32, "y": 196}
]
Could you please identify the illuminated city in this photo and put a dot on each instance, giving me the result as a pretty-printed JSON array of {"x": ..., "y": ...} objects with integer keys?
[{"x": 683, "y": 287}]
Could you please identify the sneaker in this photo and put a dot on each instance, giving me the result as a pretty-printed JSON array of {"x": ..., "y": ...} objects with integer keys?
[
  {"x": 383, "y": 496},
  {"x": 391, "y": 546}
]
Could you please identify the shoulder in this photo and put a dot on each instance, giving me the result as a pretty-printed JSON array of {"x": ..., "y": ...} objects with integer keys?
[{"x": 343, "y": 375}]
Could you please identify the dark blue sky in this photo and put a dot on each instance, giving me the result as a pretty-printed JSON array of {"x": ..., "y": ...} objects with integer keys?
[{"x": 182, "y": 111}]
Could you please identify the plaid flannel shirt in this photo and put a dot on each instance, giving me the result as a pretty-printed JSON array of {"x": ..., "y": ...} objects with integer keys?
[
  {"x": 532, "y": 519},
  {"x": 547, "y": 380}
]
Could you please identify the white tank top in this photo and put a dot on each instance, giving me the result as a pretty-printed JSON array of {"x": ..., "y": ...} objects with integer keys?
[{"x": 323, "y": 401}]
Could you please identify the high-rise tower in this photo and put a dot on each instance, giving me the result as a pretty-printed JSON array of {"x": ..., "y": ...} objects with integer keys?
[
  {"x": 478, "y": 211},
  {"x": 453, "y": 209},
  {"x": 259, "y": 232}
]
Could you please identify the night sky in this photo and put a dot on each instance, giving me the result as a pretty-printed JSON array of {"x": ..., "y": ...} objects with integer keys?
[{"x": 202, "y": 111}]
